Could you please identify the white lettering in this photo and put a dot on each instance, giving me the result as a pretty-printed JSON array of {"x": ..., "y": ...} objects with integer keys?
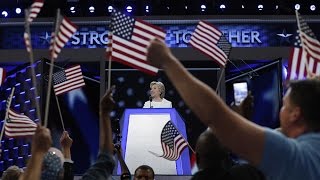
[
  {"x": 75, "y": 39},
  {"x": 84, "y": 37},
  {"x": 177, "y": 35},
  {"x": 186, "y": 36},
  {"x": 245, "y": 38},
  {"x": 104, "y": 38},
  {"x": 234, "y": 35},
  {"x": 94, "y": 37},
  {"x": 255, "y": 36}
]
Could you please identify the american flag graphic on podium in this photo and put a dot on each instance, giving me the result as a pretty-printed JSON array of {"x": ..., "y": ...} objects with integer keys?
[
  {"x": 305, "y": 55},
  {"x": 130, "y": 39},
  {"x": 172, "y": 142}
]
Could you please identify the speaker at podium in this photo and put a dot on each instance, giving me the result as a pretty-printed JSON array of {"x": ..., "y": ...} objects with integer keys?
[{"x": 157, "y": 138}]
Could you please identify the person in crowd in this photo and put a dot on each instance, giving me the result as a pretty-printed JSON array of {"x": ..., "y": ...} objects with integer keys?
[
  {"x": 245, "y": 108},
  {"x": 156, "y": 99},
  {"x": 12, "y": 173},
  {"x": 66, "y": 143},
  {"x": 41, "y": 142},
  {"x": 52, "y": 168},
  {"x": 57, "y": 164},
  {"x": 144, "y": 172},
  {"x": 293, "y": 154},
  {"x": 52, "y": 164},
  {"x": 213, "y": 159},
  {"x": 125, "y": 172},
  {"x": 103, "y": 167}
]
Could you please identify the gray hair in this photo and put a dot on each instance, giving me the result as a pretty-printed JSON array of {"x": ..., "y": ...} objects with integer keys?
[
  {"x": 13, "y": 172},
  {"x": 160, "y": 86}
]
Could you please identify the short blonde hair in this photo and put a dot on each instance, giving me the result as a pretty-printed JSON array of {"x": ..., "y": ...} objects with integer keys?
[{"x": 160, "y": 86}]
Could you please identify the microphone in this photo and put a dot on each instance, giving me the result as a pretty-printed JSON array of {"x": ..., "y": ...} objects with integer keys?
[{"x": 150, "y": 99}]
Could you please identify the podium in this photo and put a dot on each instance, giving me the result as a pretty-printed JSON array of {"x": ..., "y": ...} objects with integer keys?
[{"x": 141, "y": 138}]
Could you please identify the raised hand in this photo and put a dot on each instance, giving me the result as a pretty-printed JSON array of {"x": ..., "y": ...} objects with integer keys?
[
  {"x": 158, "y": 53},
  {"x": 41, "y": 140},
  {"x": 107, "y": 103}
]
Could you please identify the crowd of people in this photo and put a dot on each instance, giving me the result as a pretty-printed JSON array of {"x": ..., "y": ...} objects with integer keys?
[{"x": 290, "y": 152}]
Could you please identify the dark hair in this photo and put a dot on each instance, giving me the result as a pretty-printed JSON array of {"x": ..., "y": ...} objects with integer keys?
[
  {"x": 144, "y": 167},
  {"x": 306, "y": 95},
  {"x": 210, "y": 152}
]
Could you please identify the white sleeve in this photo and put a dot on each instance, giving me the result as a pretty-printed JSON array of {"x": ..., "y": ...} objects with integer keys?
[{"x": 146, "y": 105}]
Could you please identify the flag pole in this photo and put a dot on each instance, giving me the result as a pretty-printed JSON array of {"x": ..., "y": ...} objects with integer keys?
[
  {"x": 220, "y": 79},
  {"x": 7, "y": 112},
  {"x": 31, "y": 57},
  {"x": 62, "y": 122},
  {"x": 303, "y": 48},
  {"x": 50, "y": 73},
  {"x": 2, "y": 130},
  {"x": 109, "y": 58},
  {"x": 183, "y": 138}
]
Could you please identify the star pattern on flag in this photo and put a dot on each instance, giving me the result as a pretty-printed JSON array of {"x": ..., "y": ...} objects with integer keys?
[
  {"x": 59, "y": 77},
  {"x": 122, "y": 25},
  {"x": 168, "y": 135}
]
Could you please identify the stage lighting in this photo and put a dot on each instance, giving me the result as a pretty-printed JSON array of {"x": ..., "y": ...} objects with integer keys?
[
  {"x": 129, "y": 9},
  {"x": 18, "y": 10},
  {"x": 242, "y": 6},
  {"x": 110, "y": 9},
  {"x": 147, "y": 9},
  {"x": 297, "y": 6},
  {"x": 312, "y": 7},
  {"x": 4, "y": 13},
  {"x": 91, "y": 9},
  {"x": 222, "y": 6},
  {"x": 72, "y": 9},
  {"x": 260, "y": 7},
  {"x": 203, "y": 7},
  {"x": 185, "y": 7}
]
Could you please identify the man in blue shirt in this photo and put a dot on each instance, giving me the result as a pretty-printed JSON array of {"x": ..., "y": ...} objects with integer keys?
[{"x": 293, "y": 154}]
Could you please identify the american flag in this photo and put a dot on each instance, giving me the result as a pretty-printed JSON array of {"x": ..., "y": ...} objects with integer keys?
[
  {"x": 19, "y": 125},
  {"x": 68, "y": 80},
  {"x": 172, "y": 142},
  {"x": 35, "y": 9},
  {"x": 211, "y": 41},
  {"x": 305, "y": 55},
  {"x": 130, "y": 39},
  {"x": 66, "y": 30},
  {"x": 2, "y": 75}
]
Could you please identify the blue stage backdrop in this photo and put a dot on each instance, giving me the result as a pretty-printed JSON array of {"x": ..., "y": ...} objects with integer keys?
[{"x": 241, "y": 34}]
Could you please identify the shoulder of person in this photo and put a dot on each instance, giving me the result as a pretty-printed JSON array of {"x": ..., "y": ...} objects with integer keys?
[{"x": 166, "y": 101}]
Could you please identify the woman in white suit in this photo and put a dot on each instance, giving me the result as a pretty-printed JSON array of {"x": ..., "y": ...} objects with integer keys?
[{"x": 157, "y": 100}]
